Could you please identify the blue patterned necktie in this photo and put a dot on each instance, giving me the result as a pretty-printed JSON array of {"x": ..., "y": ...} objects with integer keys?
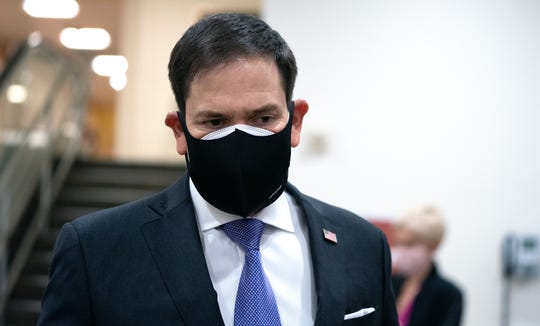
[{"x": 255, "y": 302}]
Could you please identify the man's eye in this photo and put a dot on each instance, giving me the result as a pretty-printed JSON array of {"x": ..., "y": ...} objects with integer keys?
[
  {"x": 265, "y": 119},
  {"x": 214, "y": 122}
]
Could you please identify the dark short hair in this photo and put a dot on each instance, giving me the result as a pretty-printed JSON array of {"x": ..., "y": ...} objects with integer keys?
[{"x": 222, "y": 38}]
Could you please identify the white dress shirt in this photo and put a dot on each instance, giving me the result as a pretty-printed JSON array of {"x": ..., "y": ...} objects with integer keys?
[{"x": 284, "y": 251}]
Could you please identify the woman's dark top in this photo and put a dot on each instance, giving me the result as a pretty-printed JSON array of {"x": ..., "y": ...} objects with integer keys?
[{"x": 439, "y": 302}]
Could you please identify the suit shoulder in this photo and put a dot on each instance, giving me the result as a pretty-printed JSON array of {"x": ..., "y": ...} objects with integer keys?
[
  {"x": 328, "y": 208},
  {"x": 342, "y": 216},
  {"x": 444, "y": 288},
  {"x": 447, "y": 286}
]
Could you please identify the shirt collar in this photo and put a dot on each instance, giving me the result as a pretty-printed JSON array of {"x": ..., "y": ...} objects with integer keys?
[{"x": 277, "y": 214}]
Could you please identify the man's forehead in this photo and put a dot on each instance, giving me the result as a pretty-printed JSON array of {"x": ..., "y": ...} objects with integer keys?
[{"x": 237, "y": 61}]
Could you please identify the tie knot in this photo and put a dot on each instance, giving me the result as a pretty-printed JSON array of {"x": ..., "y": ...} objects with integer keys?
[{"x": 246, "y": 232}]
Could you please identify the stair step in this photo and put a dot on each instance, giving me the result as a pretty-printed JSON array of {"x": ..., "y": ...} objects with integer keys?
[
  {"x": 30, "y": 286},
  {"x": 90, "y": 186},
  {"x": 101, "y": 197},
  {"x": 141, "y": 176},
  {"x": 22, "y": 312},
  {"x": 60, "y": 214},
  {"x": 46, "y": 239},
  {"x": 38, "y": 262}
]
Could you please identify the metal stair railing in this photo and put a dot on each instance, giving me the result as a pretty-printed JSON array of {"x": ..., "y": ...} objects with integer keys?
[{"x": 43, "y": 96}]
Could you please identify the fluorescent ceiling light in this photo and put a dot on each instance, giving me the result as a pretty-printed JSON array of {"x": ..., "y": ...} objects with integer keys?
[
  {"x": 34, "y": 39},
  {"x": 118, "y": 82},
  {"x": 51, "y": 8},
  {"x": 85, "y": 38},
  {"x": 17, "y": 94},
  {"x": 110, "y": 65}
]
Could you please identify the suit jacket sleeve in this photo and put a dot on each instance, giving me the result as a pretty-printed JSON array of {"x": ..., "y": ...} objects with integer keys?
[
  {"x": 66, "y": 299},
  {"x": 389, "y": 310}
]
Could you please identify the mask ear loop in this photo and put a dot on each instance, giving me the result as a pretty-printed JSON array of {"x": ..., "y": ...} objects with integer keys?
[
  {"x": 291, "y": 114},
  {"x": 291, "y": 109},
  {"x": 186, "y": 133},
  {"x": 183, "y": 123}
]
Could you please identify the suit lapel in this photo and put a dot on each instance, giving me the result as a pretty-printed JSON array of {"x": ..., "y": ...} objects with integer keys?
[
  {"x": 174, "y": 242},
  {"x": 328, "y": 260},
  {"x": 175, "y": 245}
]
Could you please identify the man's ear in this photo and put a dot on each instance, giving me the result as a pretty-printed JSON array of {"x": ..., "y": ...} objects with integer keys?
[
  {"x": 301, "y": 107},
  {"x": 172, "y": 121}
]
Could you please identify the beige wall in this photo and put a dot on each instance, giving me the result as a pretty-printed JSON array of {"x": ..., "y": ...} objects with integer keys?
[
  {"x": 433, "y": 102},
  {"x": 150, "y": 28}
]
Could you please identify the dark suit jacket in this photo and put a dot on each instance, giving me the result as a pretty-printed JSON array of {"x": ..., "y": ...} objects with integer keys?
[
  {"x": 439, "y": 302},
  {"x": 142, "y": 263}
]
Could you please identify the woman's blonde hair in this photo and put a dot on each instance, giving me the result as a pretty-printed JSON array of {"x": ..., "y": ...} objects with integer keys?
[{"x": 426, "y": 223}]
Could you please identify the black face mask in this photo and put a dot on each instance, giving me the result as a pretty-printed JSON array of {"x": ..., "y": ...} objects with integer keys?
[{"x": 240, "y": 173}]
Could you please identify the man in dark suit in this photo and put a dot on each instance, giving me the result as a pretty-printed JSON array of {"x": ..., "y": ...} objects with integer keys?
[{"x": 176, "y": 259}]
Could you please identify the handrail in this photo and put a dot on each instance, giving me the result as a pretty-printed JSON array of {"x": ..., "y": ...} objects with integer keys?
[{"x": 42, "y": 105}]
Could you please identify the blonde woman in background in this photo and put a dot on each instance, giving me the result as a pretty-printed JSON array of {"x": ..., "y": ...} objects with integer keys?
[{"x": 423, "y": 296}]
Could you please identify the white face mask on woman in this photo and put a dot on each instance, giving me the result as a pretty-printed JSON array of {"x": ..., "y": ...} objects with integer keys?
[{"x": 410, "y": 260}]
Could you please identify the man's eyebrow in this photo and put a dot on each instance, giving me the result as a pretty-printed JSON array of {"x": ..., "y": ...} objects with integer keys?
[
  {"x": 268, "y": 108},
  {"x": 209, "y": 113}
]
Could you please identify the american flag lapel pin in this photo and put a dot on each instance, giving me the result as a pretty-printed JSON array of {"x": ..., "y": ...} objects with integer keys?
[{"x": 329, "y": 235}]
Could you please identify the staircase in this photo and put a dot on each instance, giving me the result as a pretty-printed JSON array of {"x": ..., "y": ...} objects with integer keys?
[{"x": 90, "y": 186}]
